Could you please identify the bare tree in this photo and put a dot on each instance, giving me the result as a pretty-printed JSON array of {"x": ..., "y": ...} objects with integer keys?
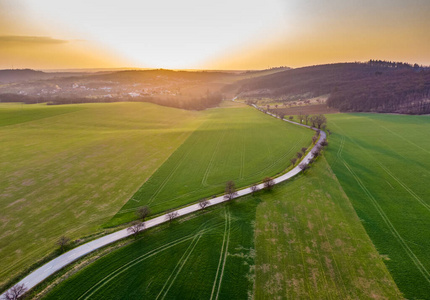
[
  {"x": 306, "y": 118},
  {"x": 317, "y": 132},
  {"x": 171, "y": 215},
  {"x": 314, "y": 139},
  {"x": 136, "y": 227},
  {"x": 320, "y": 120},
  {"x": 268, "y": 183},
  {"x": 304, "y": 149},
  {"x": 203, "y": 203},
  {"x": 293, "y": 161},
  {"x": 303, "y": 167},
  {"x": 313, "y": 120},
  {"x": 254, "y": 188},
  {"x": 324, "y": 143},
  {"x": 142, "y": 212},
  {"x": 299, "y": 155},
  {"x": 63, "y": 242},
  {"x": 230, "y": 190},
  {"x": 300, "y": 116},
  {"x": 316, "y": 152},
  {"x": 16, "y": 292}
]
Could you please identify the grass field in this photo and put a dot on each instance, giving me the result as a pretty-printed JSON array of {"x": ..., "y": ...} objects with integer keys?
[
  {"x": 303, "y": 240},
  {"x": 383, "y": 163},
  {"x": 15, "y": 113},
  {"x": 65, "y": 170},
  {"x": 310, "y": 244},
  {"x": 234, "y": 143},
  {"x": 204, "y": 256}
]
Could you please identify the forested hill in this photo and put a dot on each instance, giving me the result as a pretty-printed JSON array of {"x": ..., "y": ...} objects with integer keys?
[
  {"x": 7, "y": 76},
  {"x": 376, "y": 86}
]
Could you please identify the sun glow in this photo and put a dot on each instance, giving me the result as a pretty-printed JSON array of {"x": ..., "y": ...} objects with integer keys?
[{"x": 218, "y": 35}]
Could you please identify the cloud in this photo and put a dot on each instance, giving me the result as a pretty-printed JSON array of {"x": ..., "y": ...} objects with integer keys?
[{"x": 27, "y": 40}]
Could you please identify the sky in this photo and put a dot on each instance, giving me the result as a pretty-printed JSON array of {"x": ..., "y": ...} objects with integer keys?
[{"x": 222, "y": 34}]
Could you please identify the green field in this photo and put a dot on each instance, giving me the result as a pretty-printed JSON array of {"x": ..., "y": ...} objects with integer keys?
[
  {"x": 70, "y": 169},
  {"x": 208, "y": 255},
  {"x": 15, "y": 113},
  {"x": 310, "y": 244},
  {"x": 303, "y": 240},
  {"x": 234, "y": 143},
  {"x": 66, "y": 170},
  {"x": 383, "y": 163}
]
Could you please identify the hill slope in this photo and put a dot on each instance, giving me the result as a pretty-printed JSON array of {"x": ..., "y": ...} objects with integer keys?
[{"x": 372, "y": 87}]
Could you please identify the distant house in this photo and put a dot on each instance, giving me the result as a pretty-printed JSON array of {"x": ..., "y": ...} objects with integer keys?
[{"x": 134, "y": 94}]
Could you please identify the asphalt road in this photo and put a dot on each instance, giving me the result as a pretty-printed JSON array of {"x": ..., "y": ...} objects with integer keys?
[{"x": 43, "y": 272}]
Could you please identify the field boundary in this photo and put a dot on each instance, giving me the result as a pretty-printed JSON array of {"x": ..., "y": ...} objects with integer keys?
[{"x": 48, "y": 269}]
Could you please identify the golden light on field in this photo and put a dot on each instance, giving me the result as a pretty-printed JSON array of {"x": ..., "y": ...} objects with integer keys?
[{"x": 218, "y": 34}]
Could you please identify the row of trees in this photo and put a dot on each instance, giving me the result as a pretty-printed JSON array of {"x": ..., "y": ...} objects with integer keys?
[
  {"x": 393, "y": 64},
  {"x": 317, "y": 121},
  {"x": 230, "y": 189},
  {"x": 230, "y": 193},
  {"x": 315, "y": 153}
]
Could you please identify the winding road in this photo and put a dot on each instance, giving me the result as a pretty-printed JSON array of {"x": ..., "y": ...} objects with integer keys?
[{"x": 43, "y": 272}]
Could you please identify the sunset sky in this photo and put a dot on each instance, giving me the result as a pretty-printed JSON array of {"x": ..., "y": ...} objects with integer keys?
[{"x": 222, "y": 34}]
